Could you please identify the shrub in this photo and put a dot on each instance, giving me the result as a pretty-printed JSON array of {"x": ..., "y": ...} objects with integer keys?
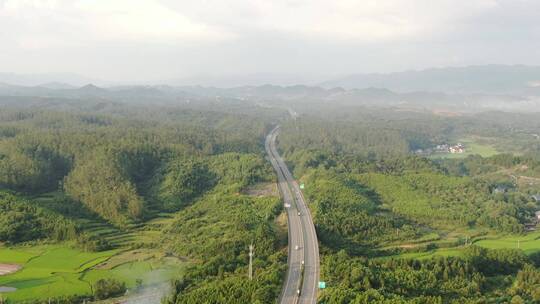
[{"x": 108, "y": 288}]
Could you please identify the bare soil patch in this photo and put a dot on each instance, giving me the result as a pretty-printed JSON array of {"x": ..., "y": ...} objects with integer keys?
[
  {"x": 407, "y": 246},
  {"x": 282, "y": 228},
  {"x": 262, "y": 189},
  {"x": 8, "y": 268}
]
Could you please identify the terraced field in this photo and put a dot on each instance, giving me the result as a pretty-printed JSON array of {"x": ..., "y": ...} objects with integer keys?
[{"x": 134, "y": 234}]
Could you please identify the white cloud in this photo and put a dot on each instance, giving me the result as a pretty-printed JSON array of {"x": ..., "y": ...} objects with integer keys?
[
  {"x": 366, "y": 20},
  {"x": 37, "y": 23},
  {"x": 146, "y": 19},
  {"x": 152, "y": 38},
  {"x": 58, "y": 23}
]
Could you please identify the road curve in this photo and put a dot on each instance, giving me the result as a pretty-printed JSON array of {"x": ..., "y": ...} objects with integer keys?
[{"x": 300, "y": 277}]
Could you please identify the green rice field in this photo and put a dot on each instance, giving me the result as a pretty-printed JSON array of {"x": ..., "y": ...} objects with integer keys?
[{"x": 58, "y": 270}]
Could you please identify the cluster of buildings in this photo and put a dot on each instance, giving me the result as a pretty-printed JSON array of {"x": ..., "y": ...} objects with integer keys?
[{"x": 444, "y": 148}]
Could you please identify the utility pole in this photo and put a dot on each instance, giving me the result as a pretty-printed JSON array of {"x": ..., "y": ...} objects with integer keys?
[{"x": 251, "y": 262}]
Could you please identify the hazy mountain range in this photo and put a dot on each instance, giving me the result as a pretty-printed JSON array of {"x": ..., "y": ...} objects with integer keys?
[
  {"x": 505, "y": 79},
  {"x": 499, "y": 79},
  {"x": 52, "y": 80},
  {"x": 458, "y": 89},
  {"x": 299, "y": 95}
]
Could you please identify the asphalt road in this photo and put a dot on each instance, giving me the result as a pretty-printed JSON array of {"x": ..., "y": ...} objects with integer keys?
[{"x": 303, "y": 260}]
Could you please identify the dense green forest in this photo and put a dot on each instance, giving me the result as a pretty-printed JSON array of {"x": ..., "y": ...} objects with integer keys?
[
  {"x": 374, "y": 200},
  {"x": 480, "y": 276},
  {"x": 100, "y": 176},
  {"x": 111, "y": 164},
  {"x": 21, "y": 221}
]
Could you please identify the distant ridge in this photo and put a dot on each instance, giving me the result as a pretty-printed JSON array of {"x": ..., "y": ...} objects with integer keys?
[
  {"x": 57, "y": 86},
  {"x": 49, "y": 80},
  {"x": 474, "y": 88},
  {"x": 505, "y": 79},
  {"x": 91, "y": 88}
]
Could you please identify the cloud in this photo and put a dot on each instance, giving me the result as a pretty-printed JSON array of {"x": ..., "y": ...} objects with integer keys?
[
  {"x": 178, "y": 21},
  {"x": 60, "y": 23},
  {"x": 145, "y": 19},
  {"x": 123, "y": 39},
  {"x": 364, "y": 21}
]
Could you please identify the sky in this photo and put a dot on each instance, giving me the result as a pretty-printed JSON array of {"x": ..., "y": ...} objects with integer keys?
[{"x": 167, "y": 41}]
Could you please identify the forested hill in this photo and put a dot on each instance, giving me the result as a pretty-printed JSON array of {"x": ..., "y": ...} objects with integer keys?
[
  {"x": 109, "y": 162},
  {"x": 109, "y": 176},
  {"x": 361, "y": 129}
]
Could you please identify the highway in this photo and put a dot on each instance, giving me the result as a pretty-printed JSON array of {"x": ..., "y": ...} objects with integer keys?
[{"x": 303, "y": 258}]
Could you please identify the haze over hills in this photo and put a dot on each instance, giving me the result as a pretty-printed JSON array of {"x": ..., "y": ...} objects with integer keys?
[
  {"x": 499, "y": 79},
  {"x": 251, "y": 79},
  {"x": 299, "y": 95},
  {"x": 463, "y": 89},
  {"x": 486, "y": 79},
  {"x": 49, "y": 80}
]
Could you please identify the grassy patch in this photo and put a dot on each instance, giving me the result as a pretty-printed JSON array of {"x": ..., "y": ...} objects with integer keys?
[
  {"x": 529, "y": 243},
  {"x": 429, "y": 254},
  {"x": 20, "y": 255}
]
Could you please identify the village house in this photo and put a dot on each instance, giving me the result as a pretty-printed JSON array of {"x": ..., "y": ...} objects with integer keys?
[
  {"x": 459, "y": 148},
  {"x": 445, "y": 148}
]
